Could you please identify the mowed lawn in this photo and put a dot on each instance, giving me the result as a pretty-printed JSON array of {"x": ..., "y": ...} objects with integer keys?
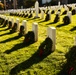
[{"x": 21, "y": 59}]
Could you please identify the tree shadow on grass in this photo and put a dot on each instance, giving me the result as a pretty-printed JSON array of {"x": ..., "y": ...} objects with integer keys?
[
  {"x": 34, "y": 59},
  {"x": 69, "y": 68},
  {"x": 74, "y": 28},
  {"x": 10, "y": 39},
  {"x": 61, "y": 25}
]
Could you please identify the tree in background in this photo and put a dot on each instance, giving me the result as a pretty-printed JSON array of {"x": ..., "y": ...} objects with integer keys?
[
  {"x": 1, "y": 6},
  {"x": 20, "y": 3},
  {"x": 29, "y": 3},
  {"x": 26, "y": 3}
]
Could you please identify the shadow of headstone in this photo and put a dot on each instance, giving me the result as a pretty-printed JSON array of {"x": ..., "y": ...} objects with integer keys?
[
  {"x": 50, "y": 23},
  {"x": 10, "y": 39},
  {"x": 15, "y": 48},
  {"x": 38, "y": 56},
  {"x": 69, "y": 68},
  {"x": 74, "y": 28},
  {"x": 4, "y": 29},
  {"x": 61, "y": 25},
  {"x": 34, "y": 59},
  {"x": 5, "y": 34}
]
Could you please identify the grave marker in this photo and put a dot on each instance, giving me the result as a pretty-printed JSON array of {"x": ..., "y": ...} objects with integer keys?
[
  {"x": 66, "y": 8},
  {"x": 59, "y": 3},
  {"x": 12, "y": 20},
  {"x": 36, "y": 9},
  {"x": 24, "y": 23},
  {"x": 51, "y": 33},
  {"x": 17, "y": 21},
  {"x": 58, "y": 12},
  {"x": 42, "y": 14},
  {"x": 35, "y": 29},
  {"x": 69, "y": 14}
]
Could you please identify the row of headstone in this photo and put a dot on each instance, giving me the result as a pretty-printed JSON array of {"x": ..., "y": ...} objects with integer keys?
[
  {"x": 51, "y": 31},
  {"x": 22, "y": 12},
  {"x": 48, "y": 15}
]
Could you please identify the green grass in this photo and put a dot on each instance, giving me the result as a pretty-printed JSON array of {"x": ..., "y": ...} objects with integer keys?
[{"x": 23, "y": 56}]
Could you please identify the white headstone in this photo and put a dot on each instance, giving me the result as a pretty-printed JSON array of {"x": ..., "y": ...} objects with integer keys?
[
  {"x": 17, "y": 21},
  {"x": 66, "y": 8},
  {"x": 69, "y": 14},
  {"x": 24, "y": 23},
  {"x": 36, "y": 9},
  {"x": 32, "y": 11},
  {"x": 12, "y": 20},
  {"x": 58, "y": 3},
  {"x": 58, "y": 13},
  {"x": 42, "y": 14},
  {"x": 51, "y": 33},
  {"x": 35, "y": 29}
]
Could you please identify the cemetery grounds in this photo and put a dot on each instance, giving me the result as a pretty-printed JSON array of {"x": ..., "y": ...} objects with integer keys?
[{"x": 19, "y": 54}]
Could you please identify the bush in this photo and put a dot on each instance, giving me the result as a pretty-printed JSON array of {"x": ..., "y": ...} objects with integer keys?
[
  {"x": 66, "y": 20},
  {"x": 54, "y": 2}
]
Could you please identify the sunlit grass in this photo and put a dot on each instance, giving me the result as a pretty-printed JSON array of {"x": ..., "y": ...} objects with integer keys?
[{"x": 51, "y": 65}]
